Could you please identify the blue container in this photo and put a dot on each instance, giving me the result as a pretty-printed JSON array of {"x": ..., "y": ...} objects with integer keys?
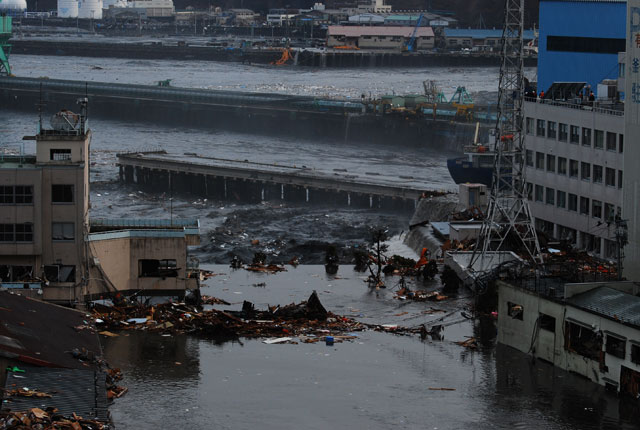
[{"x": 329, "y": 340}]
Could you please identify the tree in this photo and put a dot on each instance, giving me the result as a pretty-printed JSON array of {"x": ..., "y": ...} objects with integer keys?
[{"x": 377, "y": 255}]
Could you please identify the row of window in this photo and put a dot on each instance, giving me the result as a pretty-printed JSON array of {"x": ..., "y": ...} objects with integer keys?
[
  {"x": 60, "y": 231},
  {"x": 574, "y": 168},
  {"x": 23, "y": 194},
  {"x": 572, "y": 202},
  {"x": 598, "y": 139}
]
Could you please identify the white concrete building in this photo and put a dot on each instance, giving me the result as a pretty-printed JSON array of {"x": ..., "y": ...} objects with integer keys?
[
  {"x": 592, "y": 329},
  {"x": 574, "y": 169}
]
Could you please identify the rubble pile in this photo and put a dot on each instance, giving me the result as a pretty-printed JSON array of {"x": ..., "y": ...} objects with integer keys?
[
  {"x": 308, "y": 318},
  {"x": 37, "y": 418}
]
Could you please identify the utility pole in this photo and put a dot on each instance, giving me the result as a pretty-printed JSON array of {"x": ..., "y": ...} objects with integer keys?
[
  {"x": 508, "y": 222},
  {"x": 622, "y": 239}
]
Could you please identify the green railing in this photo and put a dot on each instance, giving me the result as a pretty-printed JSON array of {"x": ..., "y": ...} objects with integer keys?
[{"x": 5, "y": 25}]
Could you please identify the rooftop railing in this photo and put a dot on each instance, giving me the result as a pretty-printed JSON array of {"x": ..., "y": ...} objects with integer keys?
[{"x": 592, "y": 106}]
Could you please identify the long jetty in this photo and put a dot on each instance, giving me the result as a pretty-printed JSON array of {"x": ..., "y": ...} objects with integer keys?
[
  {"x": 246, "y": 112},
  {"x": 184, "y": 50},
  {"x": 252, "y": 182}
]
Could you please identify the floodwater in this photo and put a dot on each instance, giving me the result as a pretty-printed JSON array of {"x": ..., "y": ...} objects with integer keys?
[
  {"x": 334, "y": 82},
  {"x": 378, "y": 381}
]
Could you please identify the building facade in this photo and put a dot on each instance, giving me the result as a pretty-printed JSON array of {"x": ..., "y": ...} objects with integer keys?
[
  {"x": 50, "y": 249},
  {"x": 45, "y": 206},
  {"x": 394, "y": 38},
  {"x": 579, "y": 41},
  {"x": 592, "y": 329},
  {"x": 574, "y": 163}
]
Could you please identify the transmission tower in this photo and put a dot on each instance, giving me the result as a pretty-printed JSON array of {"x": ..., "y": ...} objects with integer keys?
[{"x": 508, "y": 225}]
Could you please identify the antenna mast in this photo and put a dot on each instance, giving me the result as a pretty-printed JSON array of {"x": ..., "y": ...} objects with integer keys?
[{"x": 508, "y": 224}]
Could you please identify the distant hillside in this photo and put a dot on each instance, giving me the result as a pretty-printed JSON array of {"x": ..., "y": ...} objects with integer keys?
[{"x": 470, "y": 13}]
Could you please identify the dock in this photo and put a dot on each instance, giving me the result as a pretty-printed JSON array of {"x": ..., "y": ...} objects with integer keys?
[
  {"x": 252, "y": 182},
  {"x": 259, "y": 113}
]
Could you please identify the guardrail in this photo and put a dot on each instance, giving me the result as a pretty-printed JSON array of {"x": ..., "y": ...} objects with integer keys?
[{"x": 587, "y": 106}]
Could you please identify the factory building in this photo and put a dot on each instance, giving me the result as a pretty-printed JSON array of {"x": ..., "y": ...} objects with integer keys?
[
  {"x": 378, "y": 37},
  {"x": 479, "y": 38},
  {"x": 579, "y": 41}
]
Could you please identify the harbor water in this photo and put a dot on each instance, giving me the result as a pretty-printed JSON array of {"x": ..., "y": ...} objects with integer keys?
[{"x": 378, "y": 381}]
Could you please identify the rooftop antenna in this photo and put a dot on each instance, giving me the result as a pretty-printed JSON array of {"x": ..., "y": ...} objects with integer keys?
[{"x": 509, "y": 223}]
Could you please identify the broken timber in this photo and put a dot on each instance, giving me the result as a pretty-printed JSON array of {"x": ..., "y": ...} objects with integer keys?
[{"x": 256, "y": 182}]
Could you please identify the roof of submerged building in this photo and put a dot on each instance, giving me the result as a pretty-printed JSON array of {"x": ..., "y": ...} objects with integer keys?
[{"x": 611, "y": 303}]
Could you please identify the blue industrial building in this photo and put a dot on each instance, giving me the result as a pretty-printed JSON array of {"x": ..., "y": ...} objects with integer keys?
[{"x": 579, "y": 41}]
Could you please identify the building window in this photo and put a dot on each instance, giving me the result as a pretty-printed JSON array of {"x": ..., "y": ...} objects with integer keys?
[
  {"x": 586, "y": 136},
  {"x": 6, "y": 194},
  {"x": 562, "y": 166},
  {"x": 585, "y": 171},
  {"x": 615, "y": 346},
  {"x": 60, "y": 273},
  {"x": 619, "y": 178},
  {"x": 635, "y": 353},
  {"x": 540, "y": 128},
  {"x": 62, "y": 193},
  {"x": 19, "y": 194},
  {"x": 529, "y": 155},
  {"x": 24, "y": 194},
  {"x": 597, "y": 174},
  {"x": 610, "y": 176},
  {"x": 515, "y": 311},
  {"x": 582, "y": 340},
  {"x": 539, "y": 193},
  {"x": 596, "y": 208},
  {"x": 529, "y": 190},
  {"x": 60, "y": 154},
  {"x": 551, "y": 163},
  {"x": 551, "y": 196},
  {"x": 63, "y": 231},
  {"x": 611, "y": 141},
  {"x": 621, "y": 143},
  {"x": 547, "y": 322},
  {"x": 551, "y": 129},
  {"x": 158, "y": 268},
  {"x": 562, "y": 132},
  {"x": 539, "y": 160},
  {"x": 6, "y": 233},
  {"x": 24, "y": 232},
  {"x": 598, "y": 142},
  {"x": 561, "y": 199},
  {"x": 15, "y": 273},
  {"x": 575, "y": 134},
  {"x": 573, "y": 202},
  {"x": 584, "y": 205},
  {"x": 530, "y": 126},
  {"x": 609, "y": 212},
  {"x": 573, "y": 168}
]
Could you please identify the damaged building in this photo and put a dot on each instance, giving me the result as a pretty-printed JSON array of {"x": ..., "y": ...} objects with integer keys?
[
  {"x": 50, "y": 249},
  {"x": 592, "y": 329}
]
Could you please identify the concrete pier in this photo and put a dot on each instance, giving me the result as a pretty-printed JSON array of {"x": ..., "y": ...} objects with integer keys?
[{"x": 249, "y": 182}]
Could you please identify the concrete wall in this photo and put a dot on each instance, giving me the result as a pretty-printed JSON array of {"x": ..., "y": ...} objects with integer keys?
[
  {"x": 119, "y": 259},
  {"x": 551, "y": 346}
]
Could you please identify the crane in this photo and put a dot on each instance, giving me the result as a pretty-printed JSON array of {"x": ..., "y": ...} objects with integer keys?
[
  {"x": 5, "y": 47},
  {"x": 410, "y": 46},
  {"x": 508, "y": 225}
]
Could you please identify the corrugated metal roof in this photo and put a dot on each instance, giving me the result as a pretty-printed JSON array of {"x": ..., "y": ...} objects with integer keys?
[
  {"x": 121, "y": 234},
  {"x": 353, "y": 31},
  {"x": 41, "y": 333},
  {"x": 145, "y": 222},
  {"x": 610, "y": 303},
  {"x": 72, "y": 390}
]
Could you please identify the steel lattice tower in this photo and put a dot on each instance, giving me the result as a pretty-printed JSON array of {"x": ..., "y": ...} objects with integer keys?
[{"x": 508, "y": 224}]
